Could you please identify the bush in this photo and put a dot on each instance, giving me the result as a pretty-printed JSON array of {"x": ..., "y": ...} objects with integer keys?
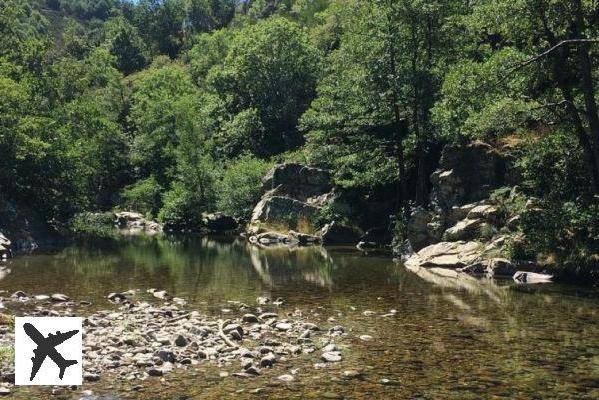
[
  {"x": 143, "y": 196},
  {"x": 180, "y": 210},
  {"x": 553, "y": 167},
  {"x": 93, "y": 224},
  {"x": 241, "y": 186}
]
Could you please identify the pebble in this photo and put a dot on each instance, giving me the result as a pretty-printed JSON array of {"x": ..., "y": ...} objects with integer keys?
[
  {"x": 267, "y": 361},
  {"x": 59, "y": 297},
  {"x": 331, "y": 356},
  {"x": 180, "y": 341},
  {"x": 352, "y": 374},
  {"x": 250, "y": 318},
  {"x": 366, "y": 338},
  {"x": 91, "y": 377},
  {"x": 4, "y": 391},
  {"x": 155, "y": 372},
  {"x": 283, "y": 326},
  {"x": 286, "y": 378}
]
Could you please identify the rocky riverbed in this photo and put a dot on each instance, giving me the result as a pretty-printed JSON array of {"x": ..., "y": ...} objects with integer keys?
[{"x": 149, "y": 335}]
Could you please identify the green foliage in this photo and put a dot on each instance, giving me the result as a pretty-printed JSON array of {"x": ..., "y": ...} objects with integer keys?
[
  {"x": 93, "y": 224},
  {"x": 272, "y": 68},
  {"x": 241, "y": 186},
  {"x": 143, "y": 196},
  {"x": 157, "y": 93},
  {"x": 553, "y": 167},
  {"x": 125, "y": 43}
]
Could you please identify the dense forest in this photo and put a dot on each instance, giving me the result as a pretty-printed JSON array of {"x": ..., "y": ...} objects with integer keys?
[{"x": 175, "y": 107}]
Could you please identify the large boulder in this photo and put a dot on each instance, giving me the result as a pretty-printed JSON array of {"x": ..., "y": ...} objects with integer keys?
[
  {"x": 424, "y": 228},
  {"x": 466, "y": 229},
  {"x": 336, "y": 233},
  {"x": 297, "y": 181},
  {"x": 447, "y": 255},
  {"x": 282, "y": 211},
  {"x": 135, "y": 222},
  {"x": 466, "y": 174},
  {"x": 219, "y": 222}
]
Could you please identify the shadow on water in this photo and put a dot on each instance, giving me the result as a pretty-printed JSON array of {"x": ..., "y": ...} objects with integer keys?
[{"x": 451, "y": 336}]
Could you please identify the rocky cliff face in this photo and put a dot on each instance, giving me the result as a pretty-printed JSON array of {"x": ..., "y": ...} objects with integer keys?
[{"x": 463, "y": 227}]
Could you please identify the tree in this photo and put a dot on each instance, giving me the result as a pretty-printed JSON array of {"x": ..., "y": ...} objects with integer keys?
[
  {"x": 157, "y": 93},
  {"x": 270, "y": 67},
  {"x": 377, "y": 95},
  {"x": 125, "y": 43},
  {"x": 549, "y": 76}
]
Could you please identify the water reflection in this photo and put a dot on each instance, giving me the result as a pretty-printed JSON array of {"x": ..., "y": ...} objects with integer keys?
[{"x": 452, "y": 337}]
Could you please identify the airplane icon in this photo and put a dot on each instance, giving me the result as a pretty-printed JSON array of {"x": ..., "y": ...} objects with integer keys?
[{"x": 46, "y": 347}]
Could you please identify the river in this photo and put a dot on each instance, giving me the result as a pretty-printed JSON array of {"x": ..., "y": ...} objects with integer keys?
[{"x": 435, "y": 335}]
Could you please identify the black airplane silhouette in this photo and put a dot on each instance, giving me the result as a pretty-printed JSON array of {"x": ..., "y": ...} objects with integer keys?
[{"x": 46, "y": 347}]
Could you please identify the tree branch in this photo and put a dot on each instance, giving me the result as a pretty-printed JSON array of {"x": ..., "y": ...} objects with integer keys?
[{"x": 566, "y": 42}]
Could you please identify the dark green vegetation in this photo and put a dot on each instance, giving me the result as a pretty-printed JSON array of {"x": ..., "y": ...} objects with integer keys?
[{"x": 179, "y": 106}]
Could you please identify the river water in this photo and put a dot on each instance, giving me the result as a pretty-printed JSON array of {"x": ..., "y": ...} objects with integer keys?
[{"x": 450, "y": 337}]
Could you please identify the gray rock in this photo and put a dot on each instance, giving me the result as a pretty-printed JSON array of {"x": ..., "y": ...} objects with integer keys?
[
  {"x": 267, "y": 361},
  {"x": 91, "y": 377},
  {"x": 286, "y": 378},
  {"x": 466, "y": 229},
  {"x": 283, "y": 326},
  {"x": 166, "y": 356},
  {"x": 336, "y": 233},
  {"x": 180, "y": 341},
  {"x": 250, "y": 318},
  {"x": 59, "y": 297},
  {"x": 155, "y": 372},
  {"x": 447, "y": 255},
  {"x": 331, "y": 357}
]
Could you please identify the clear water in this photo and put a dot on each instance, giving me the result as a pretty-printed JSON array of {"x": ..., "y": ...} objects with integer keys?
[{"x": 450, "y": 338}]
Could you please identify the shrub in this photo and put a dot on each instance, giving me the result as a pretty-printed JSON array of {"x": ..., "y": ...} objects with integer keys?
[
  {"x": 143, "y": 196},
  {"x": 93, "y": 224},
  {"x": 180, "y": 209},
  {"x": 241, "y": 186}
]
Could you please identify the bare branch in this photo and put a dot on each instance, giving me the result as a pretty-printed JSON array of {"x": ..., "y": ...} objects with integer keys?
[{"x": 566, "y": 42}]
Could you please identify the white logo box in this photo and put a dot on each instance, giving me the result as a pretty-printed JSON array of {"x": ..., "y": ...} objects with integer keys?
[{"x": 53, "y": 342}]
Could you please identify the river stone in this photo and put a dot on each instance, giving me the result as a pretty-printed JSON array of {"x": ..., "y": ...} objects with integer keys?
[
  {"x": 42, "y": 297},
  {"x": 180, "y": 341},
  {"x": 283, "y": 326},
  {"x": 286, "y": 378},
  {"x": 4, "y": 391},
  {"x": 250, "y": 318},
  {"x": 267, "y": 361},
  {"x": 155, "y": 372},
  {"x": 166, "y": 356},
  {"x": 352, "y": 374},
  {"x": 330, "y": 347},
  {"x": 268, "y": 315},
  {"x": 332, "y": 356},
  {"x": 59, "y": 297},
  {"x": 91, "y": 377},
  {"x": 366, "y": 338}
]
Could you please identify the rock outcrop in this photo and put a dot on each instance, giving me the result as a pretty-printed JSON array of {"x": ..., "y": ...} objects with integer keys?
[
  {"x": 463, "y": 228},
  {"x": 336, "y": 233},
  {"x": 293, "y": 195},
  {"x": 135, "y": 222},
  {"x": 447, "y": 255}
]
